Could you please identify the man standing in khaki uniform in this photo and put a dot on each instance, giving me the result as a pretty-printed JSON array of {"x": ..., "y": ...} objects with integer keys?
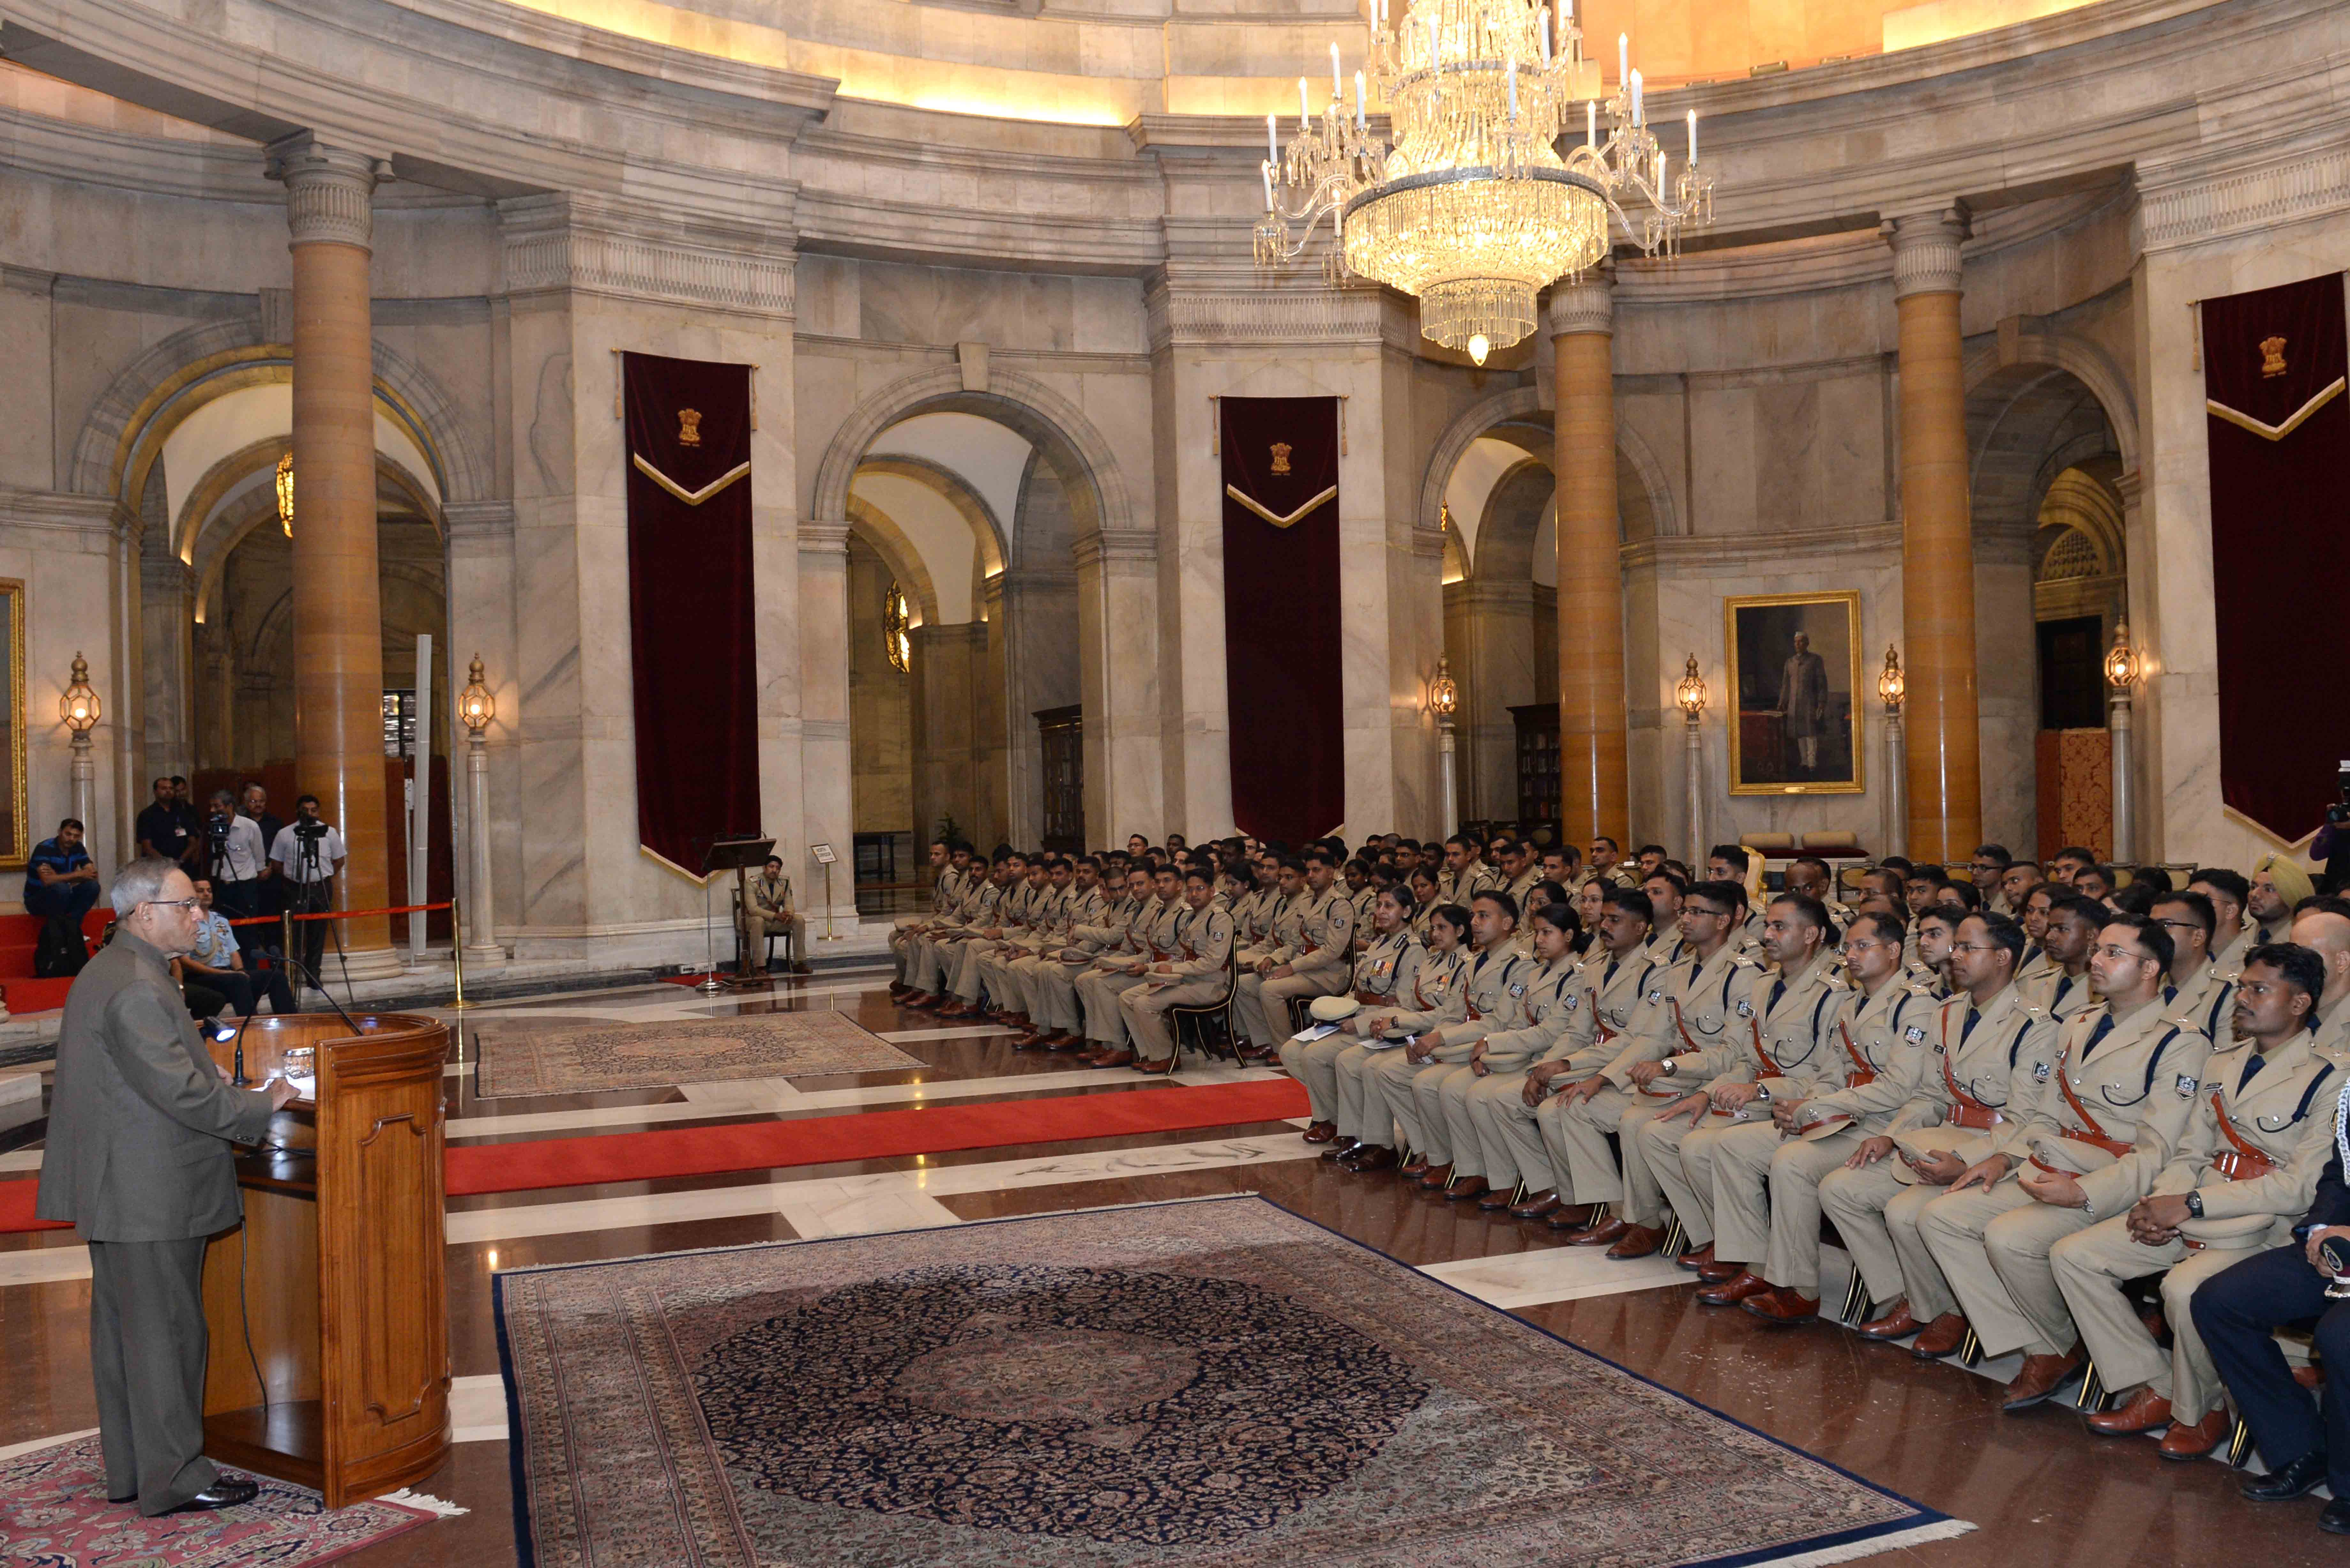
[
  {"x": 2244, "y": 1173},
  {"x": 2097, "y": 1131}
]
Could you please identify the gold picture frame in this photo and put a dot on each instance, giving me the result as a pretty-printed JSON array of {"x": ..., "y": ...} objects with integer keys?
[{"x": 1767, "y": 750}]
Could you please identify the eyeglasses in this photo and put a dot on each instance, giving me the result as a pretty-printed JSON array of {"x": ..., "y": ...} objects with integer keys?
[
  {"x": 191, "y": 904},
  {"x": 1974, "y": 946}
]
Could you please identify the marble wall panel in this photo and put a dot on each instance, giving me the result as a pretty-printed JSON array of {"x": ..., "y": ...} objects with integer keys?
[{"x": 29, "y": 437}]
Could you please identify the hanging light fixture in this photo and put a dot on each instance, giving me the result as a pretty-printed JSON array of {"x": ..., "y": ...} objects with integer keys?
[
  {"x": 1690, "y": 691},
  {"x": 78, "y": 707},
  {"x": 1891, "y": 686},
  {"x": 2121, "y": 659},
  {"x": 1443, "y": 695},
  {"x": 286, "y": 493},
  {"x": 475, "y": 706},
  {"x": 895, "y": 633},
  {"x": 1471, "y": 208}
]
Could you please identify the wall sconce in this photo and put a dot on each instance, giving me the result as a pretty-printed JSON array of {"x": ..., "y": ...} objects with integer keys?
[
  {"x": 1891, "y": 687},
  {"x": 2121, "y": 659},
  {"x": 1690, "y": 693},
  {"x": 79, "y": 708},
  {"x": 286, "y": 493},
  {"x": 475, "y": 706},
  {"x": 1443, "y": 696},
  {"x": 896, "y": 637}
]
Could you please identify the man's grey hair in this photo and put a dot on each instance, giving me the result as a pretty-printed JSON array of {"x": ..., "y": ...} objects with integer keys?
[{"x": 140, "y": 882}]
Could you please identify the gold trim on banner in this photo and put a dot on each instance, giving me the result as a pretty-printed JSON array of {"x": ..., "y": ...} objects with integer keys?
[
  {"x": 1233, "y": 490},
  {"x": 690, "y": 497},
  {"x": 2277, "y": 432}
]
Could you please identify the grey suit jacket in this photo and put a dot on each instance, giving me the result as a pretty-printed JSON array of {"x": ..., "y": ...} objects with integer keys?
[{"x": 139, "y": 1118}]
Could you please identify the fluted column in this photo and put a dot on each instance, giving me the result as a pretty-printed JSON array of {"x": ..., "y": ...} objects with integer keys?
[
  {"x": 1594, "y": 785},
  {"x": 826, "y": 814},
  {"x": 1937, "y": 557},
  {"x": 338, "y": 610}
]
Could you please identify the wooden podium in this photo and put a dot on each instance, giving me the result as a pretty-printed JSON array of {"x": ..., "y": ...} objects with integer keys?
[{"x": 329, "y": 1306}]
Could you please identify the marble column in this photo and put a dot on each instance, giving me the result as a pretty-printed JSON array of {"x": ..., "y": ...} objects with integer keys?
[
  {"x": 1595, "y": 787},
  {"x": 338, "y": 610},
  {"x": 824, "y": 764},
  {"x": 1938, "y": 576}
]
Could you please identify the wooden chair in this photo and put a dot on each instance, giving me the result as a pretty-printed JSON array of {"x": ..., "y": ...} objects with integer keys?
[{"x": 1207, "y": 1028}]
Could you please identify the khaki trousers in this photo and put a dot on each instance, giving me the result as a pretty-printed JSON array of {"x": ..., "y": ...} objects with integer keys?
[
  {"x": 1507, "y": 1139},
  {"x": 2091, "y": 1267},
  {"x": 1315, "y": 1063},
  {"x": 1680, "y": 1160},
  {"x": 795, "y": 934},
  {"x": 1262, "y": 1004},
  {"x": 1362, "y": 1115},
  {"x": 1395, "y": 1076},
  {"x": 1097, "y": 994},
  {"x": 1453, "y": 1095},
  {"x": 1145, "y": 1007},
  {"x": 1877, "y": 1213},
  {"x": 1576, "y": 1138},
  {"x": 964, "y": 974},
  {"x": 1994, "y": 1248},
  {"x": 1780, "y": 1229},
  {"x": 1051, "y": 993}
]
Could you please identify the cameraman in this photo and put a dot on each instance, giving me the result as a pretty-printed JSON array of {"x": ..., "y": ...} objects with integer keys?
[
  {"x": 310, "y": 855},
  {"x": 2331, "y": 844},
  {"x": 233, "y": 859}
]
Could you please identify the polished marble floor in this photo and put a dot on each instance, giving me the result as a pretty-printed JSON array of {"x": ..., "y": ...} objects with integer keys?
[{"x": 2041, "y": 1487}]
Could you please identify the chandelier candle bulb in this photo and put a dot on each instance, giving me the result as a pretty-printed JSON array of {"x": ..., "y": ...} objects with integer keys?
[
  {"x": 1692, "y": 130},
  {"x": 1305, "y": 104},
  {"x": 1272, "y": 145},
  {"x": 1337, "y": 86},
  {"x": 1268, "y": 187},
  {"x": 1361, "y": 116},
  {"x": 1639, "y": 118},
  {"x": 1541, "y": 34},
  {"x": 1591, "y": 124},
  {"x": 1513, "y": 89},
  {"x": 1622, "y": 57}
]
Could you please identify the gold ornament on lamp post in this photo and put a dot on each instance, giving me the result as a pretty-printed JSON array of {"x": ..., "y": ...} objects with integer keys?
[
  {"x": 475, "y": 710},
  {"x": 2122, "y": 671},
  {"x": 79, "y": 710},
  {"x": 1689, "y": 695},
  {"x": 1892, "y": 686},
  {"x": 286, "y": 493},
  {"x": 1444, "y": 701}
]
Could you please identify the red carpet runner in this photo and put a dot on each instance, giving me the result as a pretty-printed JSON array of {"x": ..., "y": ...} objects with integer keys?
[{"x": 826, "y": 1140}]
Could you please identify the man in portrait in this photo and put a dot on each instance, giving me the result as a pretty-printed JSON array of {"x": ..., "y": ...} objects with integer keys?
[{"x": 1804, "y": 699}]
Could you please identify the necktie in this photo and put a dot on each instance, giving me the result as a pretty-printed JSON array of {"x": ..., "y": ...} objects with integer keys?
[
  {"x": 1609, "y": 975},
  {"x": 1778, "y": 989},
  {"x": 2252, "y": 1065},
  {"x": 2062, "y": 986},
  {"x": 2104, "y": 1027},
  {"x": 1974, "y": 1016}
]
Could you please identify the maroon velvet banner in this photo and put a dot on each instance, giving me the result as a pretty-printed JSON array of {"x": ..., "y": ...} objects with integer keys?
[
  {"x": 689, "y": 604},
  {"x": 1281, "y": 615},
  {"x": 2278, "y": 425}
]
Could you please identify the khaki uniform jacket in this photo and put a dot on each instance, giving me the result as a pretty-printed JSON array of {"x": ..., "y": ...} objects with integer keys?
[
  {"x": 1106, "y": 931},
  {"x": 2138, "y": 1085},
  {"x": 1081, "y": 910},
  {"x": 2011, "y": 1048},
  {"x": 1203, "y": 942},
  {"x": 768, "y": 900},
  {"x": 2228, "y": 961},
  {"x": 1536, "y": 1022},
  {"x": 1253, "y": 917},
  {"x": 140, "y": 1120},
  {"x": 1460, "y": 886},
  {"x": 947, "y": 890},
  {"x": 1606, "y": 1006},
  {"x": 1892, "y": 1036},
  {"x": 1160, "y": 934},
  {"x": 1492, "y": 984},
  {"x": 2035, "y": 964},
  {"x": 1385, "y": 971},
  {"x": 1324, "y": 948},
  {"x": 2286, "y": 1113},
  {"x": 2063, "y": 995},
  {"x": 1435, "y": 996},
  {"x": 1686, "y": 1008},
  {"x": 2210, "y": 998},
  {"x": 1287, "y": 929},
  {"x": 1792, "y": 1032},
  {"x": 1134, "y": 940}
]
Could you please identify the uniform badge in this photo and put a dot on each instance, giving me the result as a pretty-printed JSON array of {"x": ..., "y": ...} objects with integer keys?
[
  {"x": 1519, "y": 989},
  {"x": 1915, "y": 1034},
  {"x": 1745, "y": 1010},
  {"x": 1658, "y": 994},
  {"x": 1573, "y": 1003},
  {"x": 1937, "y": 1050},
  {"x": 2186, "y": 1085},
  {"x": 2040, "y": 1071}
]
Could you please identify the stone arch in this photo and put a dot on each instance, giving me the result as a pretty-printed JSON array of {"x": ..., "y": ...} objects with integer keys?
[
  {"x": 879, "y": 529},
  {"x": 1517, "y": 416},
  {"x": 2013, "y": 363},
  {"x": 1513, "y": 512},
  {"x": 986, "y": 529},
  {"x": 147, "y": 397}
]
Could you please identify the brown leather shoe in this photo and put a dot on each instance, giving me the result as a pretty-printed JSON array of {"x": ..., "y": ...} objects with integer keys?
[
  {"x": 1537, "y": 1206},
  {"x": 2186, "y": 1442},
  {"x": 1719, "y": 1273},
  {"x": 1341, "y": 1149},
  {"x": 2041, "y": 1376},
  {"x": 919, "y": 1000},
  {"x": 1370, "y": 1157},
  {"x": 1942, "y": 1337},
  {"x": 1468, "y": 1186},
  {"x": 1113, "y": 1059},
  {"x": 1075, "y": 1042},
  {"x": 1163, "y": 1068},
  {"x": 1637, "y": 1242},
  {"x": 1494, "y": 1201},
  {"x": 1606, "y": 1233},
  {"x": 957, "y": 1008},
  {"x": 1734, "y": 1290},
  {"x": 1782, "y": 1306},
  {"x": 2141, "y": 1412},
  {"x": 1896, "y": 1323},
  {"x": 1321, "y": 1132},
  {"x": 1698, "y": 1259},
  {"x": 1434, "y": 1178},
  {"x": 1413, "y": 1169}
]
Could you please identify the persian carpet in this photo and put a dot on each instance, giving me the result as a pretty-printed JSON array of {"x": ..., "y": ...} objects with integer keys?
[
  {"x": 53, "y": 1510},
  {"x": 537, "y": 1060},
  {"x": 1214, "y": 1382}
]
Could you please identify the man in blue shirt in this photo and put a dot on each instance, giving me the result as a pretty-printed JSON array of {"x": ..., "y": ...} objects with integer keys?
[{"x": 60, "y": 883}]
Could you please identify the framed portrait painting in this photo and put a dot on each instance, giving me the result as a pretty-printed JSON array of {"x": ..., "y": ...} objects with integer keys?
[{"x": 1794, "y": 673}]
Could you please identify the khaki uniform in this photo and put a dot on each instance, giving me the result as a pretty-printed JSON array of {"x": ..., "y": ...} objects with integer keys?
[
  {"x": 1610, "y": 1007},
  {"x": 1518, "y": 891},
  {"x": 767, "y": 906},
  {"x": 1043, "y": 924},
  {"x": 1505, "y": 1132},
  {"x": 1283, "y": 919},
  {"x": 933, "y": 950},
  {"x": 944, "y": 890},
  {"x": 1874, "y": 1053},
  {"x": 1199, "y": 976},
  {"x": 1387, "y": 964},
  {"x": 1252, "y": 918},
  {"x": 1460, "y": 887},
  {"x": 1412, "y": 1090},
  {"x": 1428, "y": 993},
  {"x": 2209, "y": 998},
  {"x": 1785, "y": 1021},
  {"x": 2036, "y": 963},
  {"x": 2284, "y": 1114},
  {"x": 2136, "y": 1085},
  {"x": 1323, "y": 960},
  {"x": 1536, "y": 994},
  {"x": 2061, "y": 995},
  {"x": 1967, "y": 1076},
  {"x": 1033, "y": 978},
  {"x": 1685, "y": 1013},
  {"x": 1016, "y": 917},
  {"x": 1150, "y": 939}
]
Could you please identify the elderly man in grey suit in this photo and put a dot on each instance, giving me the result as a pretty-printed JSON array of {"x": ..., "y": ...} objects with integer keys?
[{"x": 138, "y": 1161}]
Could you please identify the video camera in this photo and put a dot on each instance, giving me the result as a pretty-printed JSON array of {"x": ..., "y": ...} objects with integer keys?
[{"x": 2339, "y": 812}]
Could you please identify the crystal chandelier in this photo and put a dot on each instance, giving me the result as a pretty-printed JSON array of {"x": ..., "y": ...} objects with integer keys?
[{"x": 1471, "y": 208}]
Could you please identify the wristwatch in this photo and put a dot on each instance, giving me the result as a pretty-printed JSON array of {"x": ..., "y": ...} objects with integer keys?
[
  {"x": 1671, "y": 1067},
  {"x": 2194, "y": 1204}
]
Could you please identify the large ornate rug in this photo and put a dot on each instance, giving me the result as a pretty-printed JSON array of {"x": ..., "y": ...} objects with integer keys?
[
  {"x": 54, "y": 1514},
  {"x": 535, "y": 1059},
  {"x": 1217, "y": 1382}
]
